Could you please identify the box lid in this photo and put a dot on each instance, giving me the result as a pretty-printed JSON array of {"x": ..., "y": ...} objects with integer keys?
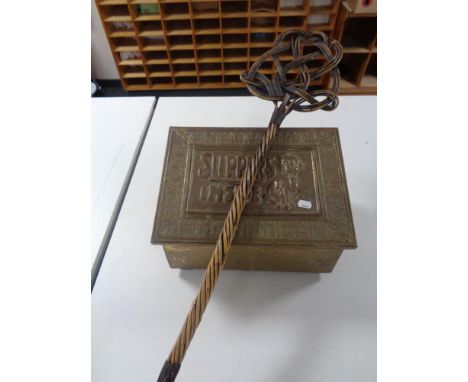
[{"x": 299, "y": 198}]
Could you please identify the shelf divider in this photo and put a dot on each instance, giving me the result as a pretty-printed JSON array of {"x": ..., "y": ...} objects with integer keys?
[{"x": 166, "y": 39}]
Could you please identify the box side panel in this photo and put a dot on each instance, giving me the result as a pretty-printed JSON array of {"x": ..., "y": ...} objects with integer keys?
[{"x": 259, "y": 258}]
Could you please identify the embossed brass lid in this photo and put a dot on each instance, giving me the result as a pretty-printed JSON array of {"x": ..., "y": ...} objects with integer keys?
[{"x": 300, "y": 197}]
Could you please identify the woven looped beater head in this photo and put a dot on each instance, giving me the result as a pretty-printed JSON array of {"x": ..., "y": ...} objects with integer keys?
[{"x": 291, "y": 80}]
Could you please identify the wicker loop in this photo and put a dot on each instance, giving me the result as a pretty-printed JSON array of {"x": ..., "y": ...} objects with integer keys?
[{"x": 294, "y": 42}]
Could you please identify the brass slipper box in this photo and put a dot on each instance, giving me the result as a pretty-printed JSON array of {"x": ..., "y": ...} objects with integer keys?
[{"x": 298, "y": 217}]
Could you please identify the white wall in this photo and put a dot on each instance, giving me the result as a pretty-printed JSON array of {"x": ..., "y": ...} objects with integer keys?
[{"x": 102, "y": 63}]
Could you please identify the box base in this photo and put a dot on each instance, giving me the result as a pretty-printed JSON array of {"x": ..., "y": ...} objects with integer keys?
[{"x": 258, "y": 258}]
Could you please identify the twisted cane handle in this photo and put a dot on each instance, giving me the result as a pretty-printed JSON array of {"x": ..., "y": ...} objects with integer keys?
[{"x": 219, "y": 255}]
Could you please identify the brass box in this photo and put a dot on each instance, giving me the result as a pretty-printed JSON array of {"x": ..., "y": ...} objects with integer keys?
[{"x": 298, "y": 219}]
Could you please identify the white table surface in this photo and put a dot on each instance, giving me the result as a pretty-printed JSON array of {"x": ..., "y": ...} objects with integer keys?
[
  {"x": 259, "y": 326},
  {"x": 117, "y": 124}
]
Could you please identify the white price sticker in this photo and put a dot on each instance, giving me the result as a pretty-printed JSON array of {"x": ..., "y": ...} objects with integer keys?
[{"x": 304, "y": 204}]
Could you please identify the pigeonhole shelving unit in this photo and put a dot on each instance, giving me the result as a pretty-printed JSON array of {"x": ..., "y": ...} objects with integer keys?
[{"x": 193, "y": 44}]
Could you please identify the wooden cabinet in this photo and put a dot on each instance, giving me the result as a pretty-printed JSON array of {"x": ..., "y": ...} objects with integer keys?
[{"x": 193, "y": 44}]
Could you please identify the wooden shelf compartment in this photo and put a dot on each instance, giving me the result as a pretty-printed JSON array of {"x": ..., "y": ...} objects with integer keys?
[
  {"x": 288, "y": 22},
  {"x": 319, "y": 21},
  {"x": 323, "y": 15},
  {"x": 359, "y": 32},
  {"x": 161, "y": 70},
  {"x": 323, "y": 10},
  {"x": 292, "y": 7},
  {"x": 153, "y": 43},
  {"x": 263, "y": 24},
  {"x": 230, "y": 54},
  {"x": 233, "y": 79},
  {"x": 212, "y": 79},
  {"x": 115, "y": 13},
  {"x": 122, "y": 44},
  {"x": 135, "y": 82},
  {"x": 182, "y": 56},
  {"x": 186, "y": 80},
  {"x": 150, "y": 28},
  {"x": 257, "y": 37},
  {"x": 351, "y": 67},
  {"x": 161, "y": 81},
  {"x": 235, "y": 39},
  {"x": 121, "y": 29},
  {"x": 228, "y": 7},
  {"x": 257, "y": 52},
  {"x": 205, "y": 10},
  {"x": 178, "y": 27},
  {"x": 235, "y": 68},
  {"x": 207, "y": 26},
  {"x": 146, "y": 10},
  {"x": 156, "y": 57},
  {"x": 264, "y": 6},
  {"x": 128, "y": 55},
  {"x": 210, "y": 69},
  {"x": 235, "y": 23},
  {"x": 208, "y": 41},
  {"x": 184, "y": 70},
  {"x": 175, "y": 11},
  {"x": 204, "y": 54},
  {"x": 180, "y": 42}
]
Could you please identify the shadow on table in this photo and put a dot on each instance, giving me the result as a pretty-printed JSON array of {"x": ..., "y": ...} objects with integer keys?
[
  {"x": 241, "y": 293},
  {"x": 250, "y": 295}
]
